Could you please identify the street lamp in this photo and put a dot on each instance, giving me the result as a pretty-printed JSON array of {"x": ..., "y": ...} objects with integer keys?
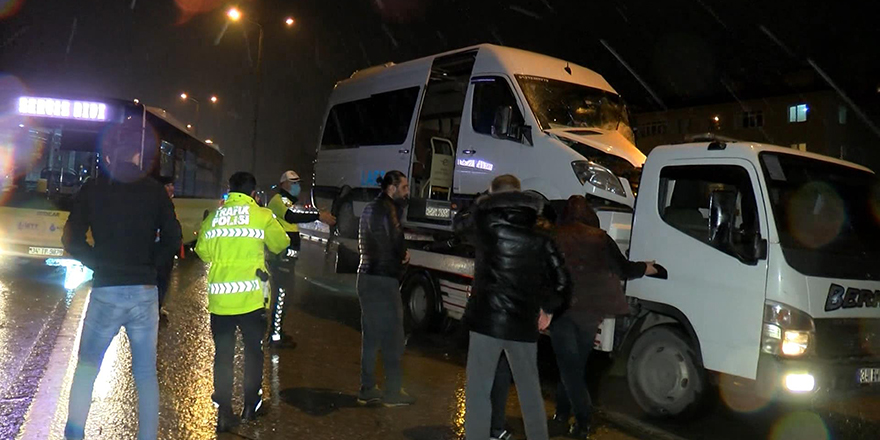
[
  {"x": 289, "y": 22},
  {"x": 208, "y": 141},
  {"x": 214, "y": 99},
  {"x": 186, "y": 97},
  {"x": 234, "y": 14}
]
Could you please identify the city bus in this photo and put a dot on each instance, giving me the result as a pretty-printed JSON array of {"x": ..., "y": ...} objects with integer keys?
[{"x": 50, "y": 146}]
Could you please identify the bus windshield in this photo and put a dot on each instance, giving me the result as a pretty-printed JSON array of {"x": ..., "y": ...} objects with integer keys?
[
  {"x": 45, "y": 168},
  {"x": 559, "y": 104}
]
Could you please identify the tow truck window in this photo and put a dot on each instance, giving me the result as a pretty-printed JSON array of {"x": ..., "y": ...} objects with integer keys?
[
  {"x": 491, "y": 93},
  {"x": 826, "y": 216},
  {"x": 684, "y": 197},
  {"x": 381, "y": 119}
]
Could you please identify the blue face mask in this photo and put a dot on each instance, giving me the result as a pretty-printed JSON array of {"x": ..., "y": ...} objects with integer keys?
[{"x": 295, "y": 189}]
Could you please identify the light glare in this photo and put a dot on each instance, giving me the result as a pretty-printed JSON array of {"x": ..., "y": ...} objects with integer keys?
[
  {"x": 234, "y": 14},
  {"x": 800, "y": 382}
]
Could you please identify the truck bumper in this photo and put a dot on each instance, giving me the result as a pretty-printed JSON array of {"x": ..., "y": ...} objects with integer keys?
[{"x": 799, "y": 380}]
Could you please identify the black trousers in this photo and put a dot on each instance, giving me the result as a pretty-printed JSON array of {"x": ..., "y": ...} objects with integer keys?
[
  {"x": 253, "y": 327},
  {"x": 381, "y": 329},
  {"x": 163, "y": 279},
  {"x": 283, "y": 283},
  {"x": 573, "y": 342}
]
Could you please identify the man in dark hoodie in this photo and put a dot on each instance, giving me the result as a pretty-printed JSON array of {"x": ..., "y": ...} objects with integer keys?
[
  {"x": 124, "y": 258},
  {"x": 597, "y": 267},
  {"x": 519, "y": 282}
]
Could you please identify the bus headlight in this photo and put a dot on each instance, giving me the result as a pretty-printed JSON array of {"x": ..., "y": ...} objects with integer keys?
[
  {"x": 598, "y": 176},
  {"x": 786, "y": 330}
]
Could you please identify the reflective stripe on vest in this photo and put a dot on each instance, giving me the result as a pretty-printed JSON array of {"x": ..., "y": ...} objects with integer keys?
[
  {"x": 235, "y": 232},
  {"x": 233, "y": 287}
]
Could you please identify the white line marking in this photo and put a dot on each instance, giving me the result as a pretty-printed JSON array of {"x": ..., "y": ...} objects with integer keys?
[{"x": 48, "y": 412}]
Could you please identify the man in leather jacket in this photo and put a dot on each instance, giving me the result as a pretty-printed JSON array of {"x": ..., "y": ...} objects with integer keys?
[
  {"x": 383, "y": 259},
  {"x": 519, "y": 282}
]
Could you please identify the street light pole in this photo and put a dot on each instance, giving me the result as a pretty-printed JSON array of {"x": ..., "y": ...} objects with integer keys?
[
  {"x": 257, "y": 96},
  {"x": 198, "y": 114}
]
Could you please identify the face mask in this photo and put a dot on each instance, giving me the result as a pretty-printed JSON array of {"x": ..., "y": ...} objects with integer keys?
[{"x": 295, "y": 189}]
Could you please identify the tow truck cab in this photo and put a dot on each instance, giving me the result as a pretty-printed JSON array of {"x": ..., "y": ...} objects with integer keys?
[{"x": 772, "y": 259}]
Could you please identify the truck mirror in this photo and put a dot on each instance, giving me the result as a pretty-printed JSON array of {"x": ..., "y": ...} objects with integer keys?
[
  {"x": 501, "y": 123},
  {"x": 526, "y": 135},
  {"x": 759, "y": 247},
  {"x": 722, "y": 205}
]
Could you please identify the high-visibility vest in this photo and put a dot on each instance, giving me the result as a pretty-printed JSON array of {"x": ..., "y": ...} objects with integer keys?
[
  {"x": 279, "y": 206},
  {"x": 232, "y": 239}
]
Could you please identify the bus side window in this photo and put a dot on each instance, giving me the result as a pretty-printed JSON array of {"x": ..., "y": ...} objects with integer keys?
[{"x": 166, "y": 159}]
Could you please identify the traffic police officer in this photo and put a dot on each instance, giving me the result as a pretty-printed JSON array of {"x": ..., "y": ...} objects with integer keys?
[
  {"x": 283, "y": 205},
  {"x": 232, "y": 240}
]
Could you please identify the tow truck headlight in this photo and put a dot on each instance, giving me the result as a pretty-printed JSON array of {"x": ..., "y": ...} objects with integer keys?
[
  {"x": 598, "y": 176},
  {"x": 795, "y": 343},
  {"x": 800, "y": 382},
  {"x": 787, "y": 331}
]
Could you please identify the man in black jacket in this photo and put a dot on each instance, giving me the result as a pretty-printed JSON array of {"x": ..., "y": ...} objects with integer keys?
[
  {"x": 124, "y": 259},
  {"x": 519, "y": 281},
  {"x": 383, "y": 259}
]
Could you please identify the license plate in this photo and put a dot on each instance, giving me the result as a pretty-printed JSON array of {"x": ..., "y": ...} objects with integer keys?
[
  {"x": 49, "y": 252},
  {"x": 869, "y": 375}
]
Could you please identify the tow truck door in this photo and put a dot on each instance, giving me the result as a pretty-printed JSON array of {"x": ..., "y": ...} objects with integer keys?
[{"x": 720, "y": 294}]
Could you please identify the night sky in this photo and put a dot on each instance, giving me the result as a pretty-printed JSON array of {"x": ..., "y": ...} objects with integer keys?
[{"x": 686, "y": 51}]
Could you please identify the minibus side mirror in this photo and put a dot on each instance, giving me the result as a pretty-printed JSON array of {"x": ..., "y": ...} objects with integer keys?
[
  {"x": 722, "y": 206},
  {"x": 501, "y": 123}
]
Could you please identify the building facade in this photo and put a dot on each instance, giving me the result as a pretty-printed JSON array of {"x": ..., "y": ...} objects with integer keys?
[{"x": 818, "y": 122}]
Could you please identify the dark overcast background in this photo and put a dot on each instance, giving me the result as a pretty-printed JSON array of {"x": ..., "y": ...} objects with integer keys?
[{"x": 686, "y": 51}]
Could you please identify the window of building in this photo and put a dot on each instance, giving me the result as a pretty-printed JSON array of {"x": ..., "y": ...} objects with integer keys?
[
  {"x": 684, "y": 126},
  {"x": 491, "y": 93},
  {"x": 684, "y": 199},
  {"x": 753, "y": 119},
  {"x": 381, "y": 119},
  {"x": 841, "y": 115},
  {"x": 800, "y": 147},
  {"x": 797, "y": 113},
  {"x": 652, "y": 129}
]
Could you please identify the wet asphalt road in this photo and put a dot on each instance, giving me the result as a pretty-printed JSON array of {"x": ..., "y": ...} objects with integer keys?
[{"x": 310, "y": 390}]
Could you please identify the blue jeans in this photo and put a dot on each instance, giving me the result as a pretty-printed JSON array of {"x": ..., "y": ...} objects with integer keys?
[{"x": 135, "y": 308}]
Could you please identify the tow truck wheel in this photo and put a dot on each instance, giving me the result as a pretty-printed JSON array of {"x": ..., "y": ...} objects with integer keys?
[
  {"x": 665, "y": 375},
  {"x": 419, "y": 303}
]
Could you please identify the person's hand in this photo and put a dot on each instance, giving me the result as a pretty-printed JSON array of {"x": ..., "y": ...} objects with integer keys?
[
  {"x": 326, "y": 218},
  {"x": 544, "y": 320},
  {"x": 406, "y": 258},
  {"x": 650, "y": 269}
]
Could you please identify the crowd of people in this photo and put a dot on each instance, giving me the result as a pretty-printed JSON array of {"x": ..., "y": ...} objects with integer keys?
[{"x": 532, "y": 274}]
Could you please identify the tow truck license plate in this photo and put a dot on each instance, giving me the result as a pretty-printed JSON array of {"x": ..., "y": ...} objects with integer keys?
[
  {"x": 869, "y": 375},
  {"x": 51, "y": 252}
]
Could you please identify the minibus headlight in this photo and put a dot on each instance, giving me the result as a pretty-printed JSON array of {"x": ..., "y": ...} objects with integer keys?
[{"x": 598, "y": 176}]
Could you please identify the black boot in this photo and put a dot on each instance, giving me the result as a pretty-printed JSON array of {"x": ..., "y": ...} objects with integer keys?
[
  {"x": 250, "y": 412},
  {"x": 226, "y": 420},
  {"x": 579, "y": 431}
]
